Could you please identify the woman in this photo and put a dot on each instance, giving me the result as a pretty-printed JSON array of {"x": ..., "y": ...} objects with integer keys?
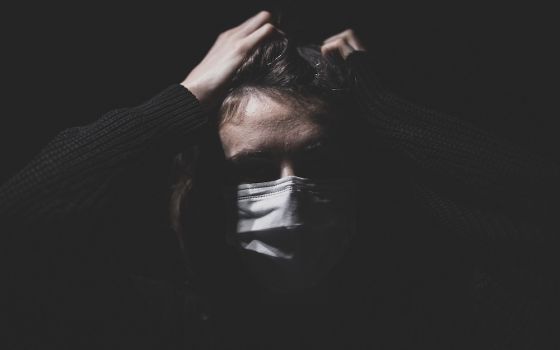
[{"x": 311, "y": 207}]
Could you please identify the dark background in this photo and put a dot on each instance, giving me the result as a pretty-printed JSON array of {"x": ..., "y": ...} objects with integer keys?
[{"x": 65, "y": 64}]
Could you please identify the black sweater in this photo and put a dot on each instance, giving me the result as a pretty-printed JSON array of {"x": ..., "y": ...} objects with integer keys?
[{"x": 93, "y": 178}]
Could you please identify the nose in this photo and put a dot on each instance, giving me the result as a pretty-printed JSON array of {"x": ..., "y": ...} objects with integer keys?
[{"x": 287, "y": 168}]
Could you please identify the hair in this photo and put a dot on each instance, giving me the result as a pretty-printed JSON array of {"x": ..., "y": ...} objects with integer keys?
[
  {"x": 278, "y": 68},
  {"x": 298, "y": 75}
]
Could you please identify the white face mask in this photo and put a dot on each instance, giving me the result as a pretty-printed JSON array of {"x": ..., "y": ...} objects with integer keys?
[{"x": 293, "y": 231}]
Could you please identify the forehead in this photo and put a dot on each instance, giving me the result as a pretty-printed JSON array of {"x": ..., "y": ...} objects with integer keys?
[{"x": 265, "y": 123}]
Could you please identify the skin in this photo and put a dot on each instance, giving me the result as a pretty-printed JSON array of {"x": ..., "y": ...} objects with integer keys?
[
  {"x": 266, "y": 136},
  {"x": 343, "y": 44},
  {"x": 209, "y": 79},
  {"x": 268, "y": 133}
]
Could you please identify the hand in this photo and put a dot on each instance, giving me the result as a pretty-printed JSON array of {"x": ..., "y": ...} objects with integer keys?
[
  {"x": 209, "y": 79},
  {"x": 343, "y": 44}
]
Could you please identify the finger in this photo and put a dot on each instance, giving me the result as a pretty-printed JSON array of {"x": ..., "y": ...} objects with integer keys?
[
  {"x": 334, "y": 37},
  {"x": 349, "y": 35},
  {"x": 254, "y": 23},
  {"x": 335, "y": 43},
  {"x": 350, "y": 38},
  {"x": 339, "y": 46},
  {"x": 344, "y": 34},
  {"x": 259, "y": 35},
  {"x": 356, "y": 43}
]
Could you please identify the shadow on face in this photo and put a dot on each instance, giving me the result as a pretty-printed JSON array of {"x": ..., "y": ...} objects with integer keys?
[{"x": 269, "y": 139}]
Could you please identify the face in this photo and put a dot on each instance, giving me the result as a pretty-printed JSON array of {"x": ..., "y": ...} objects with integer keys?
[{"x": 269, "y": 140}]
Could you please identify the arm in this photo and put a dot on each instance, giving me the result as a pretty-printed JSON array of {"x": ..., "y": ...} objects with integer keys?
[
  {"x": 443, "y": 142},
  {"x": 71, "y": 176},
  {"x": 75, "y": 176},
  {"x": 463, "y": 174},
  {"x": 451, "y": 152},
  {"x": 65, "y": 218},
  {"x": 500, "y": 199}
]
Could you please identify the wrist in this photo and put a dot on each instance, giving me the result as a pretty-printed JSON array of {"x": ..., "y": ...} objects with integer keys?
[{"x": 195, "y": 90}]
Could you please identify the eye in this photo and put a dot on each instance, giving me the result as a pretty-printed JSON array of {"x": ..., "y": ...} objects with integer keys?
[
  {"x": 252, "y": 170},
  {"x": 321, "y": 162}
]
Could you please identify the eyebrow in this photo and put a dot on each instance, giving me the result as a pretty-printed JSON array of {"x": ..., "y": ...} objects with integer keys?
[{"x": 269, "y": 155}]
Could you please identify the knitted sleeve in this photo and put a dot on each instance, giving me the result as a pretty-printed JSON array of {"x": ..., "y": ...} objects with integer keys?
[
  {"x": 498, "y": 200},
  {"x": 456, "y": 159},
  {"x": 72, "y": 175}
]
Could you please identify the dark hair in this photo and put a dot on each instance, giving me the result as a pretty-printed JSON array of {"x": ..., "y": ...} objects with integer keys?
[{"x": 299, "y": 75}]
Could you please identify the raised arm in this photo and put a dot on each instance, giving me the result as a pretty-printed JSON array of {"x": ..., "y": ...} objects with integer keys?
[
  {"x": 72, "y": 174},
  {"x": 463, "y": 170},
  {"x": 69, "y": 221},
  {"x": 446, "y": 143},
  {"x": 497, "y": 200},
  {"x": 77, "y": 173}
]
